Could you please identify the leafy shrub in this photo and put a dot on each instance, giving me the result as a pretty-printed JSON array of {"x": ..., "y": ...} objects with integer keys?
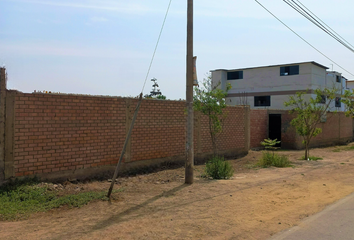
[
  {"x": 270, "y": 144},
  {"x": 270, "y": 159},
  {"x": 266, "y": 160},
  {"x": 281, "y": 161},
  {"x": 218, "y": 168}
]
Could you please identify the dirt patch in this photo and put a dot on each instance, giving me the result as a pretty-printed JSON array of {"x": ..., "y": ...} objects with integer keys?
[{"x": 255, "y": 204}]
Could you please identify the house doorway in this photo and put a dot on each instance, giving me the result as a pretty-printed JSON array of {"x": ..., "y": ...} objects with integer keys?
[{"x": 275, "y": 127}]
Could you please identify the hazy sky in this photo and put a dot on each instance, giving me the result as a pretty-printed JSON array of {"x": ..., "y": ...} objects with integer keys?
[{"x": 104, "y": 47}]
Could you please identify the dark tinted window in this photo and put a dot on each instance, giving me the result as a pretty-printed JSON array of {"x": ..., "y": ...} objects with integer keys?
[
  {"x": 289, "y": 70},
  {"x": 261, "y": 101},
  {"x": 235, "y": 75},
  {"x": 338, "y": 79},
  {"x": 323, "y": 99},
  {"x": 338, "y": 102}
]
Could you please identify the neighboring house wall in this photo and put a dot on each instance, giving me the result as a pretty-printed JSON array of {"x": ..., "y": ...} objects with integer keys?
[
  {"x": 60, "y": 136},
  {"x": 258, "y": 83},
  {"x": 350, "y": 84}
]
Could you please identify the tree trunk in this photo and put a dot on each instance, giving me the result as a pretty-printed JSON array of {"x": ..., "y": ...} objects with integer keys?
[
  {"x": 213, "y": 141},
  {"x": 307, "y": 151}
]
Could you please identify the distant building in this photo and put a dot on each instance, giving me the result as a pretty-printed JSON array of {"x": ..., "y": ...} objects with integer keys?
[
  {"x": 350, "y": 84},
  {"x": 270, "y": 86}
]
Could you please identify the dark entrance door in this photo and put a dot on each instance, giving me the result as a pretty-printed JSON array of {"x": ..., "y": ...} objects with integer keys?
[{"x": 275, "y": 127}]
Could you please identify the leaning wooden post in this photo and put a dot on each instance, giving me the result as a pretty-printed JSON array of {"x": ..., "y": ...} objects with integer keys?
[{"x": 125, "y": 146}]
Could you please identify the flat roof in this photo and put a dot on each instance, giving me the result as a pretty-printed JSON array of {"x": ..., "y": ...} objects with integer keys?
[{"x": 279, "y": 65}]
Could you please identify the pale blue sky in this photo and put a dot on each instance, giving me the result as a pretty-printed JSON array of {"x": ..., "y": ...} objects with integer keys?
[{"x": 104, "y": 47}]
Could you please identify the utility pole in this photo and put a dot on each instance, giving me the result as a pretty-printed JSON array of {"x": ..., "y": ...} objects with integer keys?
[{"x": 189, "y": 165}]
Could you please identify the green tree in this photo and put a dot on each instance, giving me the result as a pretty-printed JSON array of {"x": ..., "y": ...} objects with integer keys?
[
  {"x": 161, "y": 97},
  {"x": 210, "y": 101},
  {"x": 309, "y": 113},
  {"x": 348, "y": 100}
]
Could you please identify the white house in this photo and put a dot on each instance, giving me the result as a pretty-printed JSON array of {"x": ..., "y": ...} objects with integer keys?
[
  {"x": 350, "y": 84},
  {"x": 270, "y": 86}
]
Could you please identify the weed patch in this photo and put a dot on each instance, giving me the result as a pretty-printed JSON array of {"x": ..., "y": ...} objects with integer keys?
[
  {"x": 270, "y": 159},
  {"x": 19, "y": 199},
  {"x": 345, "y": 148},
  {"x": 218, "y": 168},
  {"x": 311, "y": 158}
]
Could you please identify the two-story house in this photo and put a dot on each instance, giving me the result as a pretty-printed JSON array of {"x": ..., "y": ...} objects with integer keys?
[{"x": 270, "y": 86}]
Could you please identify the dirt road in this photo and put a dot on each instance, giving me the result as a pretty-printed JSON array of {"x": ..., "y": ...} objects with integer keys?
[{"x": 255, "y": 204}]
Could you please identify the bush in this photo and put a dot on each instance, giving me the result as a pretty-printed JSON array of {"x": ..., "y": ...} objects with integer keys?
[
  {"x": 281, "y": 161},
  {"x": 218, "y": 168},
  {"x": 270, "y": 159}
]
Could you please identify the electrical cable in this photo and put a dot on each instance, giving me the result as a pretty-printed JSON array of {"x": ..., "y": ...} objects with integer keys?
[
  {"x": 303, "y": 38},
  {"x": 318, "y": 22},
  {"x": 308, "y": 16},
  {"x": 158, "y": 40},
  {"x": 325, "y": 23}
]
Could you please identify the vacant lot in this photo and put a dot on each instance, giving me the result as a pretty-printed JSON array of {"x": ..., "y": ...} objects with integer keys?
[{"x": 255, "y": 204}]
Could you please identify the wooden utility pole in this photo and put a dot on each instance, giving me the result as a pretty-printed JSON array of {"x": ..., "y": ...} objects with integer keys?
[
  {"x": 189, "y": 97},
  {"x": 2, "y": 122}
]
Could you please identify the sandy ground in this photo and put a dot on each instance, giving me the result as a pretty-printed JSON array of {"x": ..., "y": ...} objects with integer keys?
[{"x": 255, "y": 204}]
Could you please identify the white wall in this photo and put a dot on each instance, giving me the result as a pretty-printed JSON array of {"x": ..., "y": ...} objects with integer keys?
[
  {"x": 276, "y": 101},
  {"x": 350, "y": 84},
  {"x": 267, "y": 80}
]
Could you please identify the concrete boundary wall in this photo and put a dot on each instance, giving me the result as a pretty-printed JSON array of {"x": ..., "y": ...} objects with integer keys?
[{"x": 59, "y": 136}]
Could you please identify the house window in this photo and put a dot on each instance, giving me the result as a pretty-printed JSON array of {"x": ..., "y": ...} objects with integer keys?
[
  {"x": 235, "y": 75},
  {"x": 338, "y": 78},
  {"x": 323, "y": 99},
  {"x": 338, "y": 102},
  {"x": 289, "y": 70},
  {"x": 262, "y": 101}
]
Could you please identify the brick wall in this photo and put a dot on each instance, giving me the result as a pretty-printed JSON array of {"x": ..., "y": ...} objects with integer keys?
[
  {"x": 290, "y": 139},
  {"x": 159, "y": 130},
  {"x": 61, "y": 132},
  {"x": 57, "y": 135},
  {"x": 258, "y": 126},
  {"x": 338, "y": 129}
]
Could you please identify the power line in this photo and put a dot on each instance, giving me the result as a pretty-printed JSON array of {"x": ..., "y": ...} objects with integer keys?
[
  {"x": 324, "y": 23},
  {"x": 158, "y": 40},
  {"x": 303, "y": 38},
  {"x": 317, "y": 21}
]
